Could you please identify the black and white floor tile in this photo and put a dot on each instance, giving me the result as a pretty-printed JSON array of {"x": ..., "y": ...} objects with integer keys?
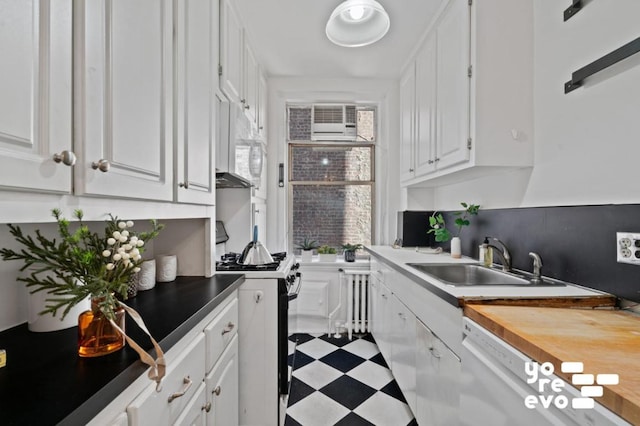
[{"x": 337, "y": 381}]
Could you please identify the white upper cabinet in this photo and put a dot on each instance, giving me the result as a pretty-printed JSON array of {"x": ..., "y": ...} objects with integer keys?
[
  {"x": 124, "y": 103},
  {"x": 250, "y": 98},
  {"x": 35, "y": 105},
  {"x": 231, "y": 52},
  {"x": 196, "y": 99},
  {"x": 464, "y": 123},
  {"x": 262, "y": 106},
  {"x": 241, "y": 77}
]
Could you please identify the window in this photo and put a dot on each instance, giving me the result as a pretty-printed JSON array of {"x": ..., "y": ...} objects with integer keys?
[{"x": 331, "y": 183}]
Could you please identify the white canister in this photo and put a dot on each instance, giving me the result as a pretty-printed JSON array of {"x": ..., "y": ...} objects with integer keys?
[
  {"x": 147, "y": 275},
  {"x": 47, "y": 322},
  {"x": 166, "y": 268},
  {"x": 456, "y": 251}
]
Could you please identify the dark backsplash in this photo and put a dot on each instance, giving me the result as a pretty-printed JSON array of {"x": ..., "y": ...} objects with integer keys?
[{"x": 576, "y": 243}]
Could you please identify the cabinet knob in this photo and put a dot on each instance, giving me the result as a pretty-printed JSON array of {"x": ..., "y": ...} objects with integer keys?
[
  {"x": 102, "y": 165},
  {"x": 247, "y": 106},
  {"x": 184, "y": 185},
  {"x": 261, "y": 128},
  {"x": 217, "y": 390},
  {"x": 411, "y": 170},
  {"x": 430, "y": 162},
  {"x": 207, "y": 407},
  {"x": 228, "y": 328},
  {"x": 186, "y": 385},
  {"x": 437, "y": 159},
  {"x": 243, "y": 101},
  {"x": 68, "y": 158}
]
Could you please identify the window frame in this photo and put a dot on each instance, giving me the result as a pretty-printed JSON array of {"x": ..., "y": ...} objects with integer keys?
[{"x": 328, "y": 144}]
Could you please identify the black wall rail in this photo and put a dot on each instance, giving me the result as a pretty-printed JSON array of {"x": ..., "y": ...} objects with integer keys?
[
  {"x": 575, "y": 7},
  {"x": 598, "y": 65}
]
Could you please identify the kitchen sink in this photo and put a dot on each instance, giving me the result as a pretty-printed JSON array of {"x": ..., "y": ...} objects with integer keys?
[{"x": 471, "y": 274}]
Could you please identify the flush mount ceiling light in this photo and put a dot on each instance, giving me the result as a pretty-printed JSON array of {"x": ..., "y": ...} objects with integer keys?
[{"x": 356, "y": 23}]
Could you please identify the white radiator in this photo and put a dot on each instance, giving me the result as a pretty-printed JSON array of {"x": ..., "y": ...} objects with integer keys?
[{"x": 358, "y": 301}]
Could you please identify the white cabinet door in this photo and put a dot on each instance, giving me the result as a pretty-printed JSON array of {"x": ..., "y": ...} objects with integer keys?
[
  {"x": 195, "y": 413},
  {"x": 262, "y": 107},
  {"x": 385, "y": 322},
  {"x": 438, "y": 380},
  {"x": 403, "y": 349},
  {"x": 453, "y": 60},
  {"x": 258, "y": 352},
  {"x": 35, "y": 105},
  {"x": 407, "y": 123},
  {"x": 425, "y": 148},
  {"x": 231, "y": 52},
  {"x": 197, "y": 59},
  {"x": 222, "y": 388},
  {"x": 250, "y": 98},
  {"x": 124, "y": 104}
]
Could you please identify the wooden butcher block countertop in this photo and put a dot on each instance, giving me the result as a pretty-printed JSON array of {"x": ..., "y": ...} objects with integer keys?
[{"x": 606, "y": 341}]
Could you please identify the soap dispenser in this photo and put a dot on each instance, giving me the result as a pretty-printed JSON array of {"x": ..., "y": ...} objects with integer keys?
[{"x": 486, "y": 253}]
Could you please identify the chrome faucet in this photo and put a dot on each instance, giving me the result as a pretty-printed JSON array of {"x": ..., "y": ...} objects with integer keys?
[
  {"x": 502, "y": 252},
  {"x": 537, "y": 267}
]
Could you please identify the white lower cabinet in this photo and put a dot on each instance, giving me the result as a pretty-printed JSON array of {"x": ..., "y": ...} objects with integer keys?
[
  {"x": 438, "y": 371},
  {"x": 403, "y": 349},
  {"x": 222, "y": 388},
  {"x": 195, "y": 413},
  {"x": 184, "y": 374}
]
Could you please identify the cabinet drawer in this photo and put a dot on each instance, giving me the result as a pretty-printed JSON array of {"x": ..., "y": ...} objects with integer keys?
[
  {"x": 195, "y": 413},
  {"x": 219, "y": 333},
  {"x": 222, "y": 388},
  {"x": 184, "y": 374}
]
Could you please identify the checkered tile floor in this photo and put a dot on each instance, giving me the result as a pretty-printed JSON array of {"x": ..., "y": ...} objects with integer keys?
[{"x": 342, "y": 382}]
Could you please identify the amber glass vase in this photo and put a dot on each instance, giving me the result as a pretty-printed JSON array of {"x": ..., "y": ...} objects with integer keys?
[{"x": 96, "y": 335}]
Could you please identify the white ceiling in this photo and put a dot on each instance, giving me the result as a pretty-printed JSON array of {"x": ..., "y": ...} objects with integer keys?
[{"x": 289, "y": 38}]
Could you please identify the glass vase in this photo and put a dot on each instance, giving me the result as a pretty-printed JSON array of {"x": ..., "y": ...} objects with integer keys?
[{"x": 96, "y": 335}]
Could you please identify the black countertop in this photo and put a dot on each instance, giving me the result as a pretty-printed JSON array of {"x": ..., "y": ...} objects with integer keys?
[{"x": 46, "y": 382}]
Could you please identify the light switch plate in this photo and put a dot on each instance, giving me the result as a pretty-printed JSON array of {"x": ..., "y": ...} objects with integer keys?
[{"x": 628, "y": 247}]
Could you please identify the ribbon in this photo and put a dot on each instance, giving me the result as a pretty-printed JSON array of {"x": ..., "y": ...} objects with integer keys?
[{"x": 158, "y": 366}]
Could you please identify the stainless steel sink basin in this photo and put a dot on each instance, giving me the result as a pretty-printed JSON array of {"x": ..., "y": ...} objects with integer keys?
[{"x": 470, "y": 274}]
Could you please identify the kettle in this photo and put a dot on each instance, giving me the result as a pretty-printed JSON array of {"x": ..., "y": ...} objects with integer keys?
[{"x": 255, "y": 253}]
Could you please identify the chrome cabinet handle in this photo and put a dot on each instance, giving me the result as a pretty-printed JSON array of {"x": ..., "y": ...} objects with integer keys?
[
  {"x": 217, "y": 390},
  {"x": 207, "y": 407},
  {"x": 384, "y": 295},
  {"x": 437, "y": 159},
  {"x": 411, "y": 170},
  {"x": 184, "y": 185},
  {"x": 430, "y": 162},
  {"x": 68, "y": 158},
  {"x": 434, "y": 352},
  {"x": 403, "y": 316},
  {"x": 228, "y": 328},
  {"x": 102, "y": 165},
  {"x": 185, "y": 388},
  {"x": 247, "y": 106}
]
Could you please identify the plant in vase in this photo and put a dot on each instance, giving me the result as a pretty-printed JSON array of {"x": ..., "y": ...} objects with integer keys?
[
  {"x": 80, "y": 265},
  {"x": 306, "y": 249},
  {"x": 327, "y": 253},
  {"x": 442, "y": 234},
  {"x": 350, "y": 251}
]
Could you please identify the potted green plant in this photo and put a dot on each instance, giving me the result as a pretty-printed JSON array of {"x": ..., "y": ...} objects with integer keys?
[
  {"x": 442, "y": 234},
  {"x": 327, "y": 253},
  {"x": 83, "y": 264},
  {"x": 306, "y": 249},
  {"x": 349, "y": 251}
]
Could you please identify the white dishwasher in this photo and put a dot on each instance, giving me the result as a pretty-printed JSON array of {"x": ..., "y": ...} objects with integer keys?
[{"x": 494, "y": 387}]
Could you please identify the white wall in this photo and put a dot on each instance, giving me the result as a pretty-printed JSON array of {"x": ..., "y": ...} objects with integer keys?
[
  {"x": 586, "y": 147},
  {"x": 384, "y": 93}
]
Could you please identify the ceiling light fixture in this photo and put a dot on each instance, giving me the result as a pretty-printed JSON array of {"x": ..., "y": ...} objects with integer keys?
[{"x": 356, "y": 23}]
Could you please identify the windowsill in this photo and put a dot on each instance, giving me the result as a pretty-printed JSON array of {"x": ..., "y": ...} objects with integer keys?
[{"x": 361, "y": 260}]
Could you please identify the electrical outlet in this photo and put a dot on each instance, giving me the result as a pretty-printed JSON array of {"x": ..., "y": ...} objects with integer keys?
[{"x": 628, "y": 247}]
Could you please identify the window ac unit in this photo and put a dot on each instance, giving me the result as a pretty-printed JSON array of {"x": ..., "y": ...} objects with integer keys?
[{"x": 333, "y": 123}]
